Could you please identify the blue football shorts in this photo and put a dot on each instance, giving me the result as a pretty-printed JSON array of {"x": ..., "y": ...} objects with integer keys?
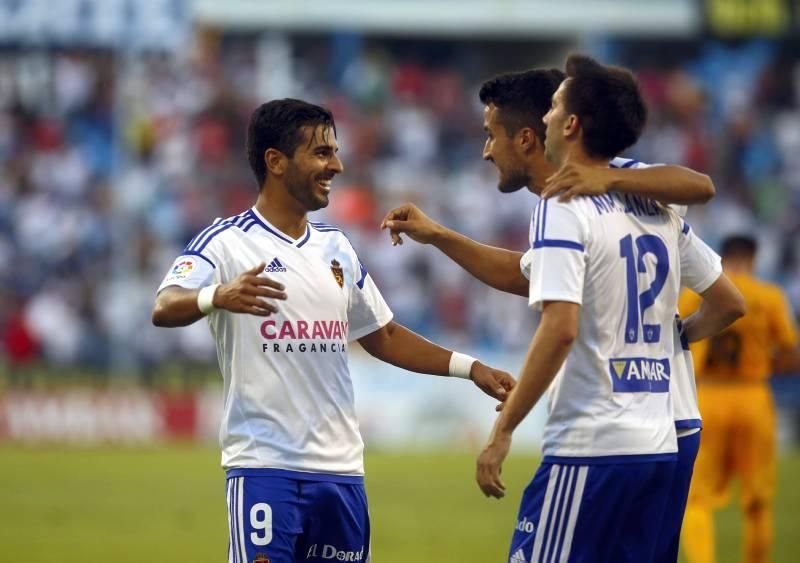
[
  {"x": 597, "y": 512},
  {"x": 667, "y": 548},
  {"x": 279, "y": 516}
]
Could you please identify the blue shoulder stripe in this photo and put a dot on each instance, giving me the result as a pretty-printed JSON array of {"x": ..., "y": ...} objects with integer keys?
[
  {"x": 191, "y": 253},
  {"x": 540, "y": 226},
  {"x": 200, "y": 241},
  {"x": 539, "y": 220},
  {"x": 325, "y": 228},
  {"x": 558, "y": 243},
  {"x": 197, "y": 237},
  {"x": 223, "y": 227},
  {"x": 544, "y": 220},
  {"x": 321, "y": 226}
]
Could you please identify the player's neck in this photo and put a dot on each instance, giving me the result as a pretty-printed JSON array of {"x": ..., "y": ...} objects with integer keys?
[
  {"x": 575, "y": 154},
  {"x": 284, "y": 213},
  {"x": 539, "y": 169}
]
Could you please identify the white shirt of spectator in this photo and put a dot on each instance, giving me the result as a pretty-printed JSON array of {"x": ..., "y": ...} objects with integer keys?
[
  {"x": 611, "y": 397},
  {"x": 288, "y": 396}
]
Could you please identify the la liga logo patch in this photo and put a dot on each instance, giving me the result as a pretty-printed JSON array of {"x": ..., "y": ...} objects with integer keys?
[{"x": 183, "y": 268}]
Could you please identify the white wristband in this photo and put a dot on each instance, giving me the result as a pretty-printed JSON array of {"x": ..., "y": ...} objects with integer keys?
[
  {"x": 205, "y": 299},
  {"x": 460, "y": 365}
]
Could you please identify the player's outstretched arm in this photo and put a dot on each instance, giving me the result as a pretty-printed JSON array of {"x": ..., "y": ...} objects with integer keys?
[
  {"x": 179, "y": 306},
  {"x": 396, "y": 345},
  {"x": 722, "y": 304},
  {"x": 496, "y": 267},
  {"x": 667, "y": 184},
  {"x": 548, "y": 350}
]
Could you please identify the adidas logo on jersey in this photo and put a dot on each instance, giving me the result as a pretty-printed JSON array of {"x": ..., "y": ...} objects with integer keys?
[
  {"x": 518, "y": 557},
  {"x": 275, "y": 266}
]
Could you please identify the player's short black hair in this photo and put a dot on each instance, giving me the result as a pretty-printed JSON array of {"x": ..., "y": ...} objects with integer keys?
[
  {"x": 739, "y": 246},
  {"x": 523, "y": 98},
  {"x": 277, "y": 125},
  {"x": 608, "y": 103}
]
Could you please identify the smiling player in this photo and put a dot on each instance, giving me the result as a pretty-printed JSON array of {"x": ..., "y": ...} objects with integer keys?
[{"x": 290, "y": 441}]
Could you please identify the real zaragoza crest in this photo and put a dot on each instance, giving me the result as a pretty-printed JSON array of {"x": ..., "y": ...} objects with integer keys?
[
  {"x": 338, "y": 273},
  {"x": 261, "y": 558}
]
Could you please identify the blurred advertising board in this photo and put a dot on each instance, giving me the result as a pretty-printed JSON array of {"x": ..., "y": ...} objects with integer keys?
[
  {"x": 747, "y": 18},
  {"x": 87, "y": 416},
  {"x": 395, "y": 409}
]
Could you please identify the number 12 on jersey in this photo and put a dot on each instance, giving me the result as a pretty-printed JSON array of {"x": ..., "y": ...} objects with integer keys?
[{"x": 634, "y": 255}]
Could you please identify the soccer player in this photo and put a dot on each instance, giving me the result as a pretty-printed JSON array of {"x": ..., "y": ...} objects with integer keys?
[
  {"x": 515, "y": 104},
  {"x": 289, "y": 436},
  {"x": 607, "y": 297},
  {"x": 733, "y": 369}
]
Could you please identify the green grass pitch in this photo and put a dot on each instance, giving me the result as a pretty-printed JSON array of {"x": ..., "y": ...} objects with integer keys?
[{"x": 166, "y": 504}]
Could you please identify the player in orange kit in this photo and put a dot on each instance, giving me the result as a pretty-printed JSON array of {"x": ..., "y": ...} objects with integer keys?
[{"x": 739, "y": 429}]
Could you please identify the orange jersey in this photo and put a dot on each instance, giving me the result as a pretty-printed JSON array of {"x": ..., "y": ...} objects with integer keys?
[{"x": 744, "y": 351}]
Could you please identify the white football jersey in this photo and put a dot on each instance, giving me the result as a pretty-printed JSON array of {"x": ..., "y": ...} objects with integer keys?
[
  {"x": 622, "y": 258},
  {"x": 682, "y": 383},
  {"x": 288, "y": 396}
]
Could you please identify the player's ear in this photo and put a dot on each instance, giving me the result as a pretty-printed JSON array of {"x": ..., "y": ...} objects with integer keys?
[
  {"x": 527, "y": 139},
  {"x": 276, "y": 162},
  {"x": 572, "y": 125}
]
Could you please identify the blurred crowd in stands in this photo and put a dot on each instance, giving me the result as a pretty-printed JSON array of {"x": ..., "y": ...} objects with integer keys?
[{"x": 110, "y": 163}]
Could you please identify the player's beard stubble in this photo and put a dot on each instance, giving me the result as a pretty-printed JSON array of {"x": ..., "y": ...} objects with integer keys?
[
  {"x": 512, "y": 181},
  {"x": 305, "y": 189}
]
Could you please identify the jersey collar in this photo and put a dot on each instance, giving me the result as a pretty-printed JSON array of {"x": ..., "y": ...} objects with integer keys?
[{"x": 277, "y": 233}]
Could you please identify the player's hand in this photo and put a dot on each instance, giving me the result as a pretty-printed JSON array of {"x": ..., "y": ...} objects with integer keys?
[
  {"x": 410, "y": 220},
  {"x": 490, "y": 465},
  {"x": 248, "y": 293},
  {"x": 575, "y": 179},
  {"x": 494, "y": 382}
]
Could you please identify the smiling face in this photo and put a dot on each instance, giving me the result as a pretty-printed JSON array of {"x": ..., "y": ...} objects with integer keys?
[
  {"x": 500, "y": 149},
  {"x": 312, "y": 167},
  {"x": 555, "y": 143}
]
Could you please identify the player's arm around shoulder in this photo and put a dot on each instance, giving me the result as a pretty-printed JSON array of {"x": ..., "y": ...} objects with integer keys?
[
  {"x": 248, "y": 292},
  {"x": 669, "y": 183},
  {"x": 395, "y": 344},
  {"x": 496, "y": 267}
]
